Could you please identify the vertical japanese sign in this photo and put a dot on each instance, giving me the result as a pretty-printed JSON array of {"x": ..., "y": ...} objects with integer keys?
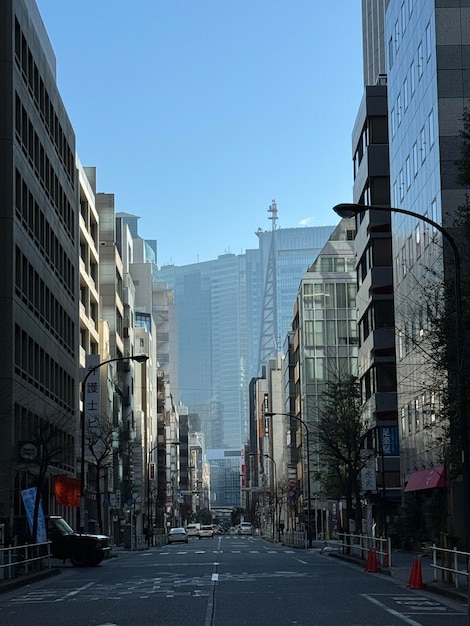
[
  {"x": 368, "y": 473},
  {"x": 91, "y": 393},
  {"x": 389, "y": 442}
]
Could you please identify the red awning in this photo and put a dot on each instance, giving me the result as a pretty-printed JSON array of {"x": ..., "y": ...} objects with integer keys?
[{"x": 427, "y": 479}]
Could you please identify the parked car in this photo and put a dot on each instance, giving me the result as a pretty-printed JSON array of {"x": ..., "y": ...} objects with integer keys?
[
  {"x": 206, "y": 532},
  {"x": 245, "y": 528},
  {"x": 81, "y": 548},
  {"x": 177, "y": 535}
]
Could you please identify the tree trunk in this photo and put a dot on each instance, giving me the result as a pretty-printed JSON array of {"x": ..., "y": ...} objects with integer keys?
[{"x": 98, "y": 499}]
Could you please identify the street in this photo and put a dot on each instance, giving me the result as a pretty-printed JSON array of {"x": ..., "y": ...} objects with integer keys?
[{"x": 225, "y": 581}]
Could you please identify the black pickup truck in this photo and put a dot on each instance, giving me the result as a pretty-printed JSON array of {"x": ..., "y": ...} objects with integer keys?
[{"x": 82, "y": 549}]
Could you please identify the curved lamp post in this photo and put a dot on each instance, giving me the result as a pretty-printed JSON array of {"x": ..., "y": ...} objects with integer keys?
[
  {"x": 351, "y": 210},
  {"x": 138, "y": 358},
  {"x": 268, "y": 456},
  {"x": 275, "y": 495},
  {"x": 271, "y": 414}
]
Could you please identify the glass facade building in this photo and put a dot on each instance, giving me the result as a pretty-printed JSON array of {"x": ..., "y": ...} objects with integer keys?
[{"x": 219, "y": 310}]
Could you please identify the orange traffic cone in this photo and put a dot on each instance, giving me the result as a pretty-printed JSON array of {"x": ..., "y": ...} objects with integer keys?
[
  {"x": 371, "y": 565},
  {"x": 416, "y": 575}
]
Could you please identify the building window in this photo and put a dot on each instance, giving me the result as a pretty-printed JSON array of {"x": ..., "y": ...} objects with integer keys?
[
  {"x": 418, "y": 241},
  {"x": 431, "y": 129},
  {"x": 415, "y": 159},
  {"x": 403, "y": 16},
  {"x": 428, "y": 40},
  {"x": 412, "y": 78},
  {"x": 420, "y": 61},
  {"x": 401, "y": 183},
  {"x": 396, "y": 36},
  {"x": 422, "y": 144}
]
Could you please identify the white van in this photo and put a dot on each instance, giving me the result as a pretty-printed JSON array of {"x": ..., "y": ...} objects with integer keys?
[
  {"x": 245, "y": 528},
  {"x": 193, "y": 529}
]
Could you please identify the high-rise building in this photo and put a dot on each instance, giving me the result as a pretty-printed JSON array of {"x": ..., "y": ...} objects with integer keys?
[
  {"x": 219, "y": 314},
  {"x": 39, "y": 256},
  {"x": 415, "y": 74},
  {"x": 428, "y": 68},
  {"x": 375, "y": 297}
]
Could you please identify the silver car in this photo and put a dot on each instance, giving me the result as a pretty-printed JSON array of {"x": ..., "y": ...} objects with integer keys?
[{"x": 177, "y": 535}]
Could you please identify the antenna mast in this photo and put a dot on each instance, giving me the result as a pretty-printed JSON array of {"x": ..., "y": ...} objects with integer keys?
[{"x": 269, "y": 327}]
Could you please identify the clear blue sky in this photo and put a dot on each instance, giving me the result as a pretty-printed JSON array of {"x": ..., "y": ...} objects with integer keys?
[{"x": 197, "y": 113}]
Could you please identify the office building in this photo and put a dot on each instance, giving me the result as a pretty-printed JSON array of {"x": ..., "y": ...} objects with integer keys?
[
  {"x": 375, "y": 297},
  {"x": 427, "y": 68},
  {"x": 324, "y": 350},
  {"x": 39, "y": 255}
]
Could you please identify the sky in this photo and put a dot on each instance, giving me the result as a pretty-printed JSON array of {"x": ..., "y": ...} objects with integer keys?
[{"x": 198, "y": 113}]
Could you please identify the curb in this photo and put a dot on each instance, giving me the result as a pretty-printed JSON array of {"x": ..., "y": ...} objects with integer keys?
[
  {"x": 447, "y": 592},
  {"x": 27, "y": 579}
]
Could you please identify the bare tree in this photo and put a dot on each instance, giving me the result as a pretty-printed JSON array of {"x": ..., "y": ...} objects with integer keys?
[
  {"x": 54, "y": 445},
  {"x": 101, "y": 443},
  {"x": 341, "y": 433}
]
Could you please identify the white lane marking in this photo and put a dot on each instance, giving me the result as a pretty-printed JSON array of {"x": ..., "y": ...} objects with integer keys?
[
  {"x": 300, "y": 561},
  {"x": 75, "y": 591},
  {"x": 406, "y": 619}
]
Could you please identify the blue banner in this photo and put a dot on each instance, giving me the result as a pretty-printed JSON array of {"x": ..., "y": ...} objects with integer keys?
[{"x": 29, "y": 498}]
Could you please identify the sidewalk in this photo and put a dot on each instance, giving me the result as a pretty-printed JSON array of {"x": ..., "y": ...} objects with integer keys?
[{"x": 401, "y": 568}]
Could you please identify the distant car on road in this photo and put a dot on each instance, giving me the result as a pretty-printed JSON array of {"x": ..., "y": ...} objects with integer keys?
[
  {"x": 177, "y": 535},
  {"x": 245, "y": 528},
  {"x": 193, "y": 529},
  {"x": 206, "y": 532}
]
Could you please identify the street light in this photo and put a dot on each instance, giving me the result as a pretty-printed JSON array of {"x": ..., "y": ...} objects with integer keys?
[
  {"x": 271, "y": 414},
  {"x": 267, "y": 456},
  {"x": 139, "y": 358},
  {"x": 351, "y": 210},
  {"x": 149, "y": 503}
]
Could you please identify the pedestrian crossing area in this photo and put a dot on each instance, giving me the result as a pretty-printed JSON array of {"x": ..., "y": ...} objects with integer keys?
[{"x": 167, "y": 585}]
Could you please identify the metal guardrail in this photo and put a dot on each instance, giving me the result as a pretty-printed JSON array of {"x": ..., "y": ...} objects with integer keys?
[
  {"x": 20, "y": 560},
  {"x": 453, "y": 565},
  {"x": 361, "y": 545},
  {"x": 294, "y": 538}
]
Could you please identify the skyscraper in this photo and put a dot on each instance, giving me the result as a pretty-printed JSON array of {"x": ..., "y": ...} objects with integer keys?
[
  {"x": 428, "y": 68},
  {"x": 219, "y": 314}
]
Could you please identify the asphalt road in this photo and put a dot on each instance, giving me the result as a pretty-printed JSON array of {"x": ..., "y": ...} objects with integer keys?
[{"x": 227, "y": 581}]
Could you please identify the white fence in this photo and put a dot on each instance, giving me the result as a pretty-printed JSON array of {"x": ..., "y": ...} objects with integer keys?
[
  {"x": 295, "y": 538},
  {"x": 16, "y": 561},
  {"x": 451, "y": 564},
  {"x": 361, "y": 545}
]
